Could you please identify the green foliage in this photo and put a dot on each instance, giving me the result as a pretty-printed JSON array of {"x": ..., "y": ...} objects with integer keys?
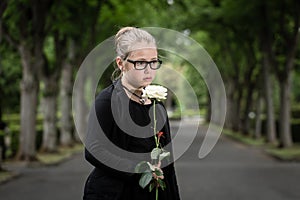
[
  {"x": 249, "y": 140},
  {"x": 156, "y": 13},
  {"x": 49, "y": 50},
  {"x": 296, "y": 86},
  {"x": 145, "y": 179},
  {"x": 197, "y": 83},
  {"x": 288, "y": 154},
  {"x": 230, "y": 30},
  {"x": 10, "y": 76},
  {"x": 13, "y": 122},
  {"x": 142, "y": 167}
]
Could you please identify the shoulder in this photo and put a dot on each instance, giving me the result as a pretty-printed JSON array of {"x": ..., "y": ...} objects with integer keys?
[
  {"x": 103, "y": 101},
  {"x": 106, "y": 93}
]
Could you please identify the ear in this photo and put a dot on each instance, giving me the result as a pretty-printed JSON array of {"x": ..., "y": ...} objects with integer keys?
[{"x": 120, "y": 63}]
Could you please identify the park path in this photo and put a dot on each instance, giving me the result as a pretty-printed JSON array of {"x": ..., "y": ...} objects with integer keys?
[
  {"x": 231, "y": 171},
  {"x": 62, "y": 182}
]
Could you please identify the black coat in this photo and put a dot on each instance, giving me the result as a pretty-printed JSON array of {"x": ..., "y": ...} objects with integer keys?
[{"x": 113, "y": 177}]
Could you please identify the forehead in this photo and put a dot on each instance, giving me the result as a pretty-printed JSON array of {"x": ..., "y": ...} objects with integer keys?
[{"x": 144, "y": 53}]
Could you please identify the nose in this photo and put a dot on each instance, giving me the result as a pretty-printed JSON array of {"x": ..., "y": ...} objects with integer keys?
[{"x": 147, "y": 68}]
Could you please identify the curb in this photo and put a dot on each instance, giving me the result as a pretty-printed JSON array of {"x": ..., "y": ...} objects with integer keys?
[{"x": 10, "y": 176}]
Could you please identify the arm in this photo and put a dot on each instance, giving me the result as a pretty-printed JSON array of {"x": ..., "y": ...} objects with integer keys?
[{"x": 103, "y": 135}]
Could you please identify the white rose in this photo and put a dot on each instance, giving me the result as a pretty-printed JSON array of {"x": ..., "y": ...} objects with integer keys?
[{"x": 155, "y": 92}]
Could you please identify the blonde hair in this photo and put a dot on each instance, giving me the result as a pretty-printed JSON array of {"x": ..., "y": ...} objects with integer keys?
[{"x": 125, "y": 40}]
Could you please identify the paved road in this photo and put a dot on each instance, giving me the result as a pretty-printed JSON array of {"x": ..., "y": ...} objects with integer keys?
[
  {"x": 62, "y": 182},
  {"x": 235, "y": 172},
  {"x": 231, "y": 171}
]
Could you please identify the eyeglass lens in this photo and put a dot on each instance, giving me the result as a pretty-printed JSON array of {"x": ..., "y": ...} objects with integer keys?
[{"x": 139, "y": 65}]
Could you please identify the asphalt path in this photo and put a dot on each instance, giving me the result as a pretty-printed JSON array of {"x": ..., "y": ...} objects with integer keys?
[
  {"x": 62, "y": 182},
  {"x": 231, "y": 171}
]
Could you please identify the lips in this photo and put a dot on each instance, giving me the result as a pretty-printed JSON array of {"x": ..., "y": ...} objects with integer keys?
[{"x": 148, "y": 78}]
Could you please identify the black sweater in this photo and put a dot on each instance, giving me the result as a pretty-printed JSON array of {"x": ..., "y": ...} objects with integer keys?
[{"x": 120, "y": 135}]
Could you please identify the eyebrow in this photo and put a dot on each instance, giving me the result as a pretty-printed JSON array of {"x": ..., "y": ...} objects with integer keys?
[{"x": 143, "y": 59}]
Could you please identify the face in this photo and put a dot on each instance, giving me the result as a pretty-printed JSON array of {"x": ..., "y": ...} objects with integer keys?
[{"x": 138, "y": 78}]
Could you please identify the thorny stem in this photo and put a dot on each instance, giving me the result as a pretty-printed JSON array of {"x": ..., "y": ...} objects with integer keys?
[
  {"x": 156, "y": 140},
  {"x": 154, "y": 128}
]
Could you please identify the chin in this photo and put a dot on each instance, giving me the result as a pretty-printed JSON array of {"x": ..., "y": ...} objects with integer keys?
[{"x": 145, "y": 84}]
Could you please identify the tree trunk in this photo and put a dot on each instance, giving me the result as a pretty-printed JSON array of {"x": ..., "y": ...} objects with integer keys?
[
  {"x": 49, "y": 108},
  {"x": 285, "y": 92},
  {"x": 249, "y": 82},
  {"x": 271, "y": 131},
  {"x": 29, "y": 100},
  {"x": 245, "y": 122},
  {"x": 232, "y": 115},
  {"x": 285, "y": 110},
  {"x": 0, "y": 112},
  {"x": 49, "y": 124},
  {"x": 1, "y": 159},
  {"x": 285, "y": 78},
  {"x": 66, "y": 103},
  {"x": 259, "y": 102},
  {"x": 80, "y": 108},
  {"x": 236, "y": 107},
  {"x": 51, "y": 77},
  {"x": 230, "y": 106},
  {"x": 266, "y": 39},
  {"x": 208, "y": 113}
]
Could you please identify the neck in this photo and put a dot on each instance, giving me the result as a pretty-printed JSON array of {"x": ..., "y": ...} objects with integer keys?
[
  {"x": 134, "y": 93},
  {"x": 129, "y": 86}
]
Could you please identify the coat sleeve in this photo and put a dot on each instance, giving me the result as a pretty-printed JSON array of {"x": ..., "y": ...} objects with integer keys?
[{"x": 101, "y": 150}]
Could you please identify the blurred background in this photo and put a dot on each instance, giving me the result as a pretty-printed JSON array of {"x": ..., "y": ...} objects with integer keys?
[{"x": 255, "y": 45}]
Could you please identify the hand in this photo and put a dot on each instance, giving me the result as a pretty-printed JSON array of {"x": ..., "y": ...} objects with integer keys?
[{"x": 157, "y": 167}]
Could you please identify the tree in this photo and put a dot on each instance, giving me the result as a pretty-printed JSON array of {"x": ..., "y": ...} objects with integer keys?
[
  {"x": 290, "y": 32},
  {"x": 234, "y": 48},
  {"x": 280, "y": 46},
  {"x": 50, "y": 76},
  {"x": 25, "y": 31},
  {"x": 65, "y": 97}
]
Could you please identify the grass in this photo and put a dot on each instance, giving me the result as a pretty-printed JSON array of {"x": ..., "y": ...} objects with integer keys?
[
  {"x": 287, "y": 154},
  {"x": 178, "y": 114},
  {"x": 62, "y": 154},
  {"x": 284, "y": 154},
  {"x": 6, "y": 175},
  {"x": 243, "y": 138},
  {"x": 48, "y": 159}
]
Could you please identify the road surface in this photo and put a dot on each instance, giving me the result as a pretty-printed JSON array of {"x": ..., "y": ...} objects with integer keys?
[{"x": 232, "y": 171}]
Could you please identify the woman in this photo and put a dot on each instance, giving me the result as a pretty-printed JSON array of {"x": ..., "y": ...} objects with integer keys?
[{"x": 122, "y": 114}]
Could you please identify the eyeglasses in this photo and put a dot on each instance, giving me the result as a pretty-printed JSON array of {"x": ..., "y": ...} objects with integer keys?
[{"x": 141, "y": 64}]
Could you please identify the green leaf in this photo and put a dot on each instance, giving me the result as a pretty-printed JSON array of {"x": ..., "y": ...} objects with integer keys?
[
  {"x": 145, "y": 179},
  {"x": 162, "y": 184},
  {"x": 142, "y": 167},
  {"x": 151, "y": 186},
  {"x": 164, "y": 155},
  {"x": 158, "y": 172},
  {"x": 151, "y": 167},
  {"x": 155, "y": 153}
]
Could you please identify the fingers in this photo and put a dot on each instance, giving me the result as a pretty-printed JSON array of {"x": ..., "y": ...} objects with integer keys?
[
  {"x": 158, "y": 164},
  {"x": 157, "y": 177},
  {"x": 157, "y": 167}
]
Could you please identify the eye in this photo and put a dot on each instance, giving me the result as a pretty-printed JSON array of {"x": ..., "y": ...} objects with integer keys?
[{"x": 140, "y": 63}]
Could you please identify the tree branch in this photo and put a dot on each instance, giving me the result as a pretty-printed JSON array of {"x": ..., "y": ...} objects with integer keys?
[
  {"x": 3, "y": 6},
  {"x": 4, "y": 34}
]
